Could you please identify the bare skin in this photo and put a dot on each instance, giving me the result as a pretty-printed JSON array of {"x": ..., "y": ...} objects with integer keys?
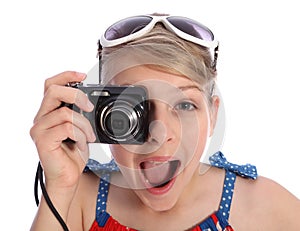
[
  {"x": 257, "y": 205},
  {"x": 254, "y": 202}
]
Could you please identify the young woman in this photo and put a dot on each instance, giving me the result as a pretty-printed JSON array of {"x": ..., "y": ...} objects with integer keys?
[{"x": 159, "y": 184}]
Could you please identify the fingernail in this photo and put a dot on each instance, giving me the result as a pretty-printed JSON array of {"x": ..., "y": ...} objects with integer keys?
[
  {"x": 90, "y": 105},
  {"x": 93, "y": 137},
  {"x": 82, "y": 76}
]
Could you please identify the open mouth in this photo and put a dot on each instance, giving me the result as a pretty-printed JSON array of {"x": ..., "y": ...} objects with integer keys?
[{"x": 159, "y": 174}]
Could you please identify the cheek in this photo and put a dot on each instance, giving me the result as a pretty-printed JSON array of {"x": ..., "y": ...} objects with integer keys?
[
  {"x": 121, "y": 155},
  {"x": 125, "y": 161},
  {"x": 195, "y": 128},
  {"x": 195, "y": 133}
]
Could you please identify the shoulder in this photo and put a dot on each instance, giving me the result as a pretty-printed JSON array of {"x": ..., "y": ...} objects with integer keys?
[{"x": 263, "y": 201}]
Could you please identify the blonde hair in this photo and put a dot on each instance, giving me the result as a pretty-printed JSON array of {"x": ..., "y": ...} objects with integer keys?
[{"x": 163, "y": 50}]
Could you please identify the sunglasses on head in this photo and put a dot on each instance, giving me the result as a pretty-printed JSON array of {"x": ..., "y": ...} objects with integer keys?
[{"x": 135, "y": 27}]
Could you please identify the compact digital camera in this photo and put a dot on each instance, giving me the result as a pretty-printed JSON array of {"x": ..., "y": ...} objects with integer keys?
[{"x": 120, "y": 114}]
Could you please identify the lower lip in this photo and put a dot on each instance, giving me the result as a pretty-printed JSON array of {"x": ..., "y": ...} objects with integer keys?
[{"x": 161, "y": 190}]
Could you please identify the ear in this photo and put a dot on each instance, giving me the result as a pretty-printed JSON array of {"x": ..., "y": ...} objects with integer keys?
[{"x": 214, "y": 113}]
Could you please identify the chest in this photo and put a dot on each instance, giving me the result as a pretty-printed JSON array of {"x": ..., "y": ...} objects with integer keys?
[{"x": 185, "y": 216}]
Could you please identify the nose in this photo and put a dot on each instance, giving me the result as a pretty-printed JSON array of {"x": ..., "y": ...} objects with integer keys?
[{"x": 162, "y": 126}]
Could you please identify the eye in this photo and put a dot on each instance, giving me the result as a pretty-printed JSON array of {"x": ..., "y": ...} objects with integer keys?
[{"x": 185, "y": 106}]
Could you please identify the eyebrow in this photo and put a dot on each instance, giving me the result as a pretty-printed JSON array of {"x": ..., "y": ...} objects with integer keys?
[
  {"x": 182, "y": 88},
  {"x": 188, "y": 87}
]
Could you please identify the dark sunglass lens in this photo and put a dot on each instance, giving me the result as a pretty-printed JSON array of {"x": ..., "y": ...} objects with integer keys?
[
  {"x": 192, "y": 27},
  {"x": 126, "y": 27}
]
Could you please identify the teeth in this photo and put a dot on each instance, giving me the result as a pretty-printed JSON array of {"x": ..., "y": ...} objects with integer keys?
[
  {"x": 156, "y": 162},
  {"x": 153, "y": 163}
]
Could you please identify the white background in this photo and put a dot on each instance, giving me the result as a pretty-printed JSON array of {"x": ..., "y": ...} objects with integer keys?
[{"x": 258, "y": 78}]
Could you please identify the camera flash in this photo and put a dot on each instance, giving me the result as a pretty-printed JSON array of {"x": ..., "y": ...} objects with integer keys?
[{"x": 100, "y": 93}]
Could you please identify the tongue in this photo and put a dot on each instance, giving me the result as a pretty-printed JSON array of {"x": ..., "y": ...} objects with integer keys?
[{"x": 157, "y": 173}]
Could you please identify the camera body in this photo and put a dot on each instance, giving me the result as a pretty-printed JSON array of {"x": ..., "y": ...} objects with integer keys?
[{"x": 120, "y": 114}]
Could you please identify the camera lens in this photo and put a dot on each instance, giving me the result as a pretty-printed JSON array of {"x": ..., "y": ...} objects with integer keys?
[
  {"x": 119, "y": 120},
  {"x": 117, "y": 123}
]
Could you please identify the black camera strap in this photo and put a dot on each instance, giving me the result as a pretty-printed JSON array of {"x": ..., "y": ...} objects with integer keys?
[
  {"x": 99, "y": 56},
  {"x": 39, "y": 178}
]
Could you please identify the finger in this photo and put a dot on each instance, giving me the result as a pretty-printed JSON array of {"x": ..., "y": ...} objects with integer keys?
[
  {"x": 80, "y": 139},
  {"x": 64, "y": 78},
  {"x": 54, "y": 153},
  {"x": 76, "y": 155},
  {"x": 56, "y": 94},
  {"x": 63, "y": 115},
  {"x": 50, "y": 140}
]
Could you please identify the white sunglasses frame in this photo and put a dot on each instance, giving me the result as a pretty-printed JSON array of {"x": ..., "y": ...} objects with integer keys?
[{"x": 163, "y": 19}]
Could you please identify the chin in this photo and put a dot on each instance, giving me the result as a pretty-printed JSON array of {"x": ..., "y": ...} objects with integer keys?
[{"x": 158, "y": 201}]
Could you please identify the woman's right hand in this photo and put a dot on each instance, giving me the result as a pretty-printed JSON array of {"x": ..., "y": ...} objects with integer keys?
[{"x": 62, "y": 162}]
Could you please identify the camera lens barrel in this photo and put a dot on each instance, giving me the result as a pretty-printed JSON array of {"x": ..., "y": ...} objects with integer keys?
[{"x": 120, "y": 120}]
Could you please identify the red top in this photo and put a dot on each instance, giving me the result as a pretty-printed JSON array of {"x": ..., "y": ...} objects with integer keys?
[{"x": 113, "y": 225}]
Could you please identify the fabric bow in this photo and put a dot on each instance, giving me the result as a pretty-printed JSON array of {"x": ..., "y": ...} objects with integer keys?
[
  {"x": 97, "y": 167},
  {"x": 248, "y": 171}
]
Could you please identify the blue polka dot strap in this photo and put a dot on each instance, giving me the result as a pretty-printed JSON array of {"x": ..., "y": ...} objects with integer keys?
[
  {"x": 227, "y": 194},
  {"x": 248, "y": 171},
  {"x": 102, "y": 194}
]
